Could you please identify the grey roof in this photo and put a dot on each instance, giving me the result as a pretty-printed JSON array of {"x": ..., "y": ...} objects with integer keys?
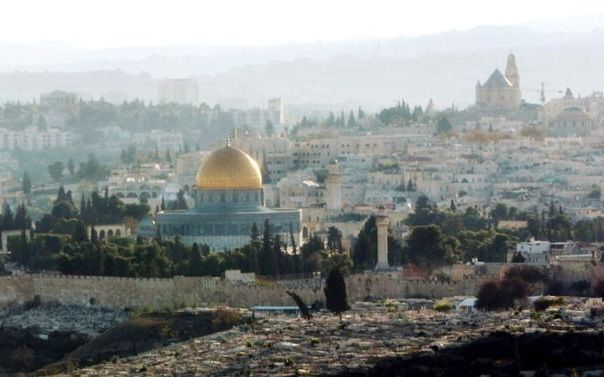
[{"x": 496, "y": 81}]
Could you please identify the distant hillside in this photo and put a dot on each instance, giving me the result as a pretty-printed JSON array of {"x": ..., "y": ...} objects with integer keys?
[{"x": 370, "y": 73}]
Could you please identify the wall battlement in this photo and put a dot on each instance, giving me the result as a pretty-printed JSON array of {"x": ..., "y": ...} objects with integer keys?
[{"x": 158, "y": 293}]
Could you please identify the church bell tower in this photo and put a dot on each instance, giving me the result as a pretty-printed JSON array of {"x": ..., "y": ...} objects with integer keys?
[{"x": 511, "y": 71}]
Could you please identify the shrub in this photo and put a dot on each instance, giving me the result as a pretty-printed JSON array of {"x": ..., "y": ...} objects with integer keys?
[
  {"x": 34, "y": 303},
  {"x": 443, "y": 306},
  {"x": 529, "y": 274},
  {"x": 490, "y": 296},
  {"x": 543, "y": 303},
  {"x": 598, "y": 290},
  {"x": 579, "y": 288},
  {"x": 515, "y": 285},
  {"x": 224, "y": 317},
  {"x": 554, "y": 288}
]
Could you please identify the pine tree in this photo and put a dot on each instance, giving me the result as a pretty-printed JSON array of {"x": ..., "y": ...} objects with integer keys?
[{"x": 335, "y": 293}]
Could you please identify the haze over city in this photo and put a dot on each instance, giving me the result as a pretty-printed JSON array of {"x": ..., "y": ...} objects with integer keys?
[
  {"x": 320, "y": 188},
  {"x": 218, "y": 43}
]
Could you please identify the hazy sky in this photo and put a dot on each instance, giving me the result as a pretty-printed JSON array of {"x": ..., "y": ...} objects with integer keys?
[{"x": 118, "y": 23}]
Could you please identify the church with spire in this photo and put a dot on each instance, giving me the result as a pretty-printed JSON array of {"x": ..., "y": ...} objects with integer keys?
[{"x": 501, "y": 91}]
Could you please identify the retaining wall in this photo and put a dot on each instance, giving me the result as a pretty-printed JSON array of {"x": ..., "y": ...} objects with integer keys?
[{"x": 208, "y": 291}]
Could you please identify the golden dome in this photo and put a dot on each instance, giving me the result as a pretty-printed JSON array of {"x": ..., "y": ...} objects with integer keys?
[{"x": 229, "y": 168}]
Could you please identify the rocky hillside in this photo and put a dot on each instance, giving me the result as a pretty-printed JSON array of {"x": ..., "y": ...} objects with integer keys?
[{"x": 371, "y": 334}]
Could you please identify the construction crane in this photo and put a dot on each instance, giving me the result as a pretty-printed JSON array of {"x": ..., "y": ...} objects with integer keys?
[{"x": 542, "y": 92}]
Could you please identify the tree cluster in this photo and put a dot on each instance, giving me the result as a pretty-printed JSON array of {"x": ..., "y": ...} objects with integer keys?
[
  {"x": 83, "y": 254},
  {"x": 91, "y": 169},
  {"x": 515, "y": 286},
  {"x": 401, "y": 114},
  {"x": 96, "y": 210}
]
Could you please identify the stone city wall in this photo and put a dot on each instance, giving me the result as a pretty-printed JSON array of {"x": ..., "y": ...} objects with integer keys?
[{"x": 180, "y": 291}]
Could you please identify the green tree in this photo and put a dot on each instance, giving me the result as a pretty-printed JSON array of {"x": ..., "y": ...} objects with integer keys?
[
  {"x": 26, "y": 183},
  {"x": 443, "y": 125},
  {"x": 364, "y": 253},
  {"x": 55, "y": 170},
  {"x": 335, "y": 293},
  {"x": 334, "y": 240},
  {"x": 428, "y": 248},
  {"x": 500, "y": 212},
  {"x": 254, "y": 233},
  {"x": 22, "y": 220},
  {"x": 80, "y": 234},
  {"x": 452, "y": 206},
  {"x": 269, "y": 263},
  {"x": 8, "y": 221},
  {"x": 351, "y": 121},
  {"x": 71, "y": 167},
  {"x": 195, "y": 261}
]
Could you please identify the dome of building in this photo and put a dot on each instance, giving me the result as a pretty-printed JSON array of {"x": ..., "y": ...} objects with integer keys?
[{"x": 229, "y": 169}]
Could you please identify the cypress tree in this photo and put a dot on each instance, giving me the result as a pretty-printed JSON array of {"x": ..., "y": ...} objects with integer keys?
[
  {"x": 26, "y": 183},
  {"x": 268, "y": 259},
  {"x": 71, "y": 166},
  {"x": 254, "y": 233},
  {"x": 83, "y": 208},
  {"x": 80, "y": 234},
  {"x": 335, "y": 293},
  {"x": 8, "y": 222},
  {"x": 195, "y": 261},
  {"x": 94, "y": 238},
  {"x": 453, "y": 207},
  {"x": 61, "y": 194}
]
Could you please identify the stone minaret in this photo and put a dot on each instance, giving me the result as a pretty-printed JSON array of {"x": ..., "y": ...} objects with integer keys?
[
  {"x": 381, "y": 221},
  {"x": 333, "y": 184},
  {"x": 511, "y": 71}
]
